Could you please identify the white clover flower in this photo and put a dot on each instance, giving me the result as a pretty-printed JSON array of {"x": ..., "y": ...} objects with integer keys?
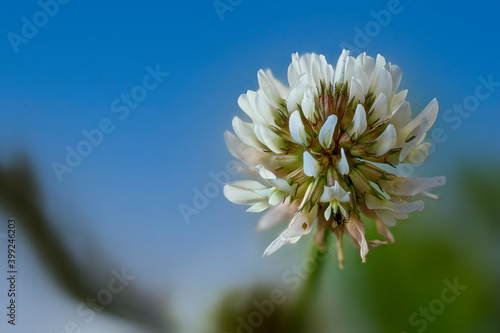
[
  {"x": 317, "y": 143},
  {"x": 335, "y": 195}
]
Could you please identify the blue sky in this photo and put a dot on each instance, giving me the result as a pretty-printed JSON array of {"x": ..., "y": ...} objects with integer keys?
[{"x": 127, "y": 191}]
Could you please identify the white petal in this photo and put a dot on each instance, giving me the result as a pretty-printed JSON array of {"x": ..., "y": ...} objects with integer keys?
[
  {"x": 349, "y": 68},
  {"x": 396, "y": 74},
  {"x": 312, "y": 168},
  {"x": 258, "y": 207},
  {"x": 418, "y": 154},
  {"x": 274, "y": 246},
  {"x": 328, "y": 212},
  {"x": 247, "y": 103},
  {"x": 308, "y": 107},
  {"x": 429, "y": 195},
  {"x": 245, "y": 131},
  {"x": 358, "y": 125},
  {"x": 317, "y": 71},
  {"x": 281, "y": 185},
  {"x": 272, "y": 140},
  {"x": 335, "y": 192},
  {"x": 294, "y": 71},
  {"x": 384, "y": 84},
  {"x": 340, "y": 194},
  {"x": 266, "y": 110},
  {"x": 327, "y": 131},
  {"x": 309, "y": 64},
  {"x": 374, "y": 77},
  {"x": 378, "y": 111},
  {"x": 277, "y": 198},
  {"x": 342, "y": 210},
  {"x": 280, "y": 87},
  {"x": 276, "y": 215},
  {"x": 373, "y": 202},
  {"x": 247, "y": 184},
  {"x": 272, "y": 180},
  {"x": 368, "y": 64},
  {"x": 408, "y": 147},
  {"x": 264, "y": 173},
  {"x": 322, "y": 71},
  {"x": 401, "y": 116},
  {"x": 329, "y": 74},
  {"x": 343, "y": 165},
  {"x": 410, "y": 186},
  {"x": 430, "y": 113},
  {"x": 249, "y": 155},
  {"x": 269, "y": 89},
  {"x": 387, "y": 217},
  {"x": 362, "y": 77},
  {"x": 265, "y": 192},
  {"x": 398, "y": 99},
  {"x": 340, "y": 69},
  {"x": 357, "y": 231},
  {"x": 356, "y": 91},
  {"x": 384, "y": 142},
  {"x": 327, "y": 194},
  {"x": 242, "y": 192},
  {"x": 300, "y": 225},
  {"x": 296, "y": 94},
  {"x": 297, "y": 129},
  {"x": 306, "y": 66}
]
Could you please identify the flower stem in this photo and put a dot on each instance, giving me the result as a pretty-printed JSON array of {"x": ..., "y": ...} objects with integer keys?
[{"x": 301, "y": 309}]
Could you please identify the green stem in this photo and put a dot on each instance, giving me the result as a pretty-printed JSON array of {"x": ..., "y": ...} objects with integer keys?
[{"x": 300, "y": 311}]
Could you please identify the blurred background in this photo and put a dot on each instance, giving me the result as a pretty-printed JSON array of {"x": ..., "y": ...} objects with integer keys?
[{"x": 152, "y": 87}]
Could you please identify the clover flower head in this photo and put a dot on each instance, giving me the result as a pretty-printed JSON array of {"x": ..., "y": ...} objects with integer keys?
[{"x": 325, "y": 149}]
